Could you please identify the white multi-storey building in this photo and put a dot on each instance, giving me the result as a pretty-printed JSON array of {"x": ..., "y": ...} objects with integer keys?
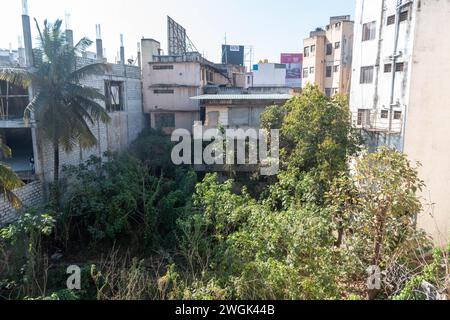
[
  {"x": 382, "y": 57},
  {"x": 400, "y": 92}
]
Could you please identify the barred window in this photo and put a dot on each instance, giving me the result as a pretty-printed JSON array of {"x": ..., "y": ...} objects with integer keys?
[
  {"x": 366, "y": 75},
  {"x": 391, "y": 20},
  {"x": 163, "y": 67},
  {"x": 164, "y": 120},
  {"x": 163, "y": 91},
  {"x": 369, "y": 30}
]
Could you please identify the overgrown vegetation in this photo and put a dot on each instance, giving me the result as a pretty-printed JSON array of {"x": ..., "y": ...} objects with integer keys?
[{"x": 145, "y": 229}]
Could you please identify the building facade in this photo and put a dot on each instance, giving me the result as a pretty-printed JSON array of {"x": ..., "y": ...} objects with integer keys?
[
  {"x": 240, "y": 108},
  {"x": 399, "y": 94},
  {"x": 327, "y": 56},
  {"x": 382, "y": 61},
  {"x": 169, "y": 82},
  {"x": 267, "y": 74},
  {"x": 32, "y": 152}
]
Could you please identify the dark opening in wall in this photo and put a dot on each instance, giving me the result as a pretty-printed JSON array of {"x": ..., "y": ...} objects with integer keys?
[
  {"x": 13, "y": 101},
  {"x": 114, "y": 96},
  {"x": 22, "y": 158}
]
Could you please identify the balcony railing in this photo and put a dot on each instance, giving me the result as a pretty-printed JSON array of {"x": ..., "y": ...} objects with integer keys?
[{"x": 378, "y": 121}]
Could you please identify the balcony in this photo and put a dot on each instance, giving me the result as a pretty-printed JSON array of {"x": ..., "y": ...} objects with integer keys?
[{"x": 379, "y": 121}]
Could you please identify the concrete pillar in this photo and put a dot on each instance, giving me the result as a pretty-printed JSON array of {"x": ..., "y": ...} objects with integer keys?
[
  {"x": 69, "y": 37},
  {"x": 99, "y": 42},
  {"x": 69, "y": 32},
  {"x": 139, "y": 55},
  {"x": 122, "y": 50},
  {"x": 27, "y": 40}
]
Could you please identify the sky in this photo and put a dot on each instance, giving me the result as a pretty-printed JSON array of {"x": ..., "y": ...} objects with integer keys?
[{"x": 271, "y": 27}]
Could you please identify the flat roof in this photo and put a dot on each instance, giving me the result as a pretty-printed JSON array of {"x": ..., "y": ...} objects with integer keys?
[{"x": 243, "y": 97}]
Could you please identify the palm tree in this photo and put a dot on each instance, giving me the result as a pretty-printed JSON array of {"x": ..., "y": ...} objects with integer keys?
[
  {"x": 9, "y": 180},
  {"x": 63, "y": 109}
]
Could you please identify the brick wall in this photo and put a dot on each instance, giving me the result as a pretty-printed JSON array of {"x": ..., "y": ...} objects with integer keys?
[
  {"x": 31, "y": 196},
  {"x": 115, "y": 136}
]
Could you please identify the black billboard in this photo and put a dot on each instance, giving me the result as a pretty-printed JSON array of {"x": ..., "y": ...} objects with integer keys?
[{"x": 233, "y": 55}]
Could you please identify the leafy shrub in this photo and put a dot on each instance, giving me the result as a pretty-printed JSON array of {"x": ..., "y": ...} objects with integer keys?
[{"x": 127, "y": 196}]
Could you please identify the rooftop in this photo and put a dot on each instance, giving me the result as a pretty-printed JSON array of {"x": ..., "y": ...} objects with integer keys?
[{"x": 243, "y": 97}]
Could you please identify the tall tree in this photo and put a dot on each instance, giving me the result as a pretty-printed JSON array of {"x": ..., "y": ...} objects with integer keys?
[
  {"x": 64, "y": 109},
  {"x": 316, "y": 141}
]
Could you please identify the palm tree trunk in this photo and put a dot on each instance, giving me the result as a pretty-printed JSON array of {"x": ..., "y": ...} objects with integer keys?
[{"x": 56, "y": 172}]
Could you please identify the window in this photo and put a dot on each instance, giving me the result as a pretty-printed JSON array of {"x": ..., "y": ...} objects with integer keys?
[
  {"x": 312, "y": 70},
  {"x": 329, "y": 49},
  {"x": 114, "y": 96},
  {"x": 213, "y": 119},
  {"x": 305, "y": 73},
  {"x": 363, "y": 117},
  {"x": 306, "y": 53},
  {"x": 13, "y": 101},
  {"x": 337, "y": 26},
  {"x": 369, "y": 30},
  {"x": 164, "y": 120},
  {"x": 313, "y": 48},
  {"x": 163, "y": 67},
  {"x": 209, "y": 76},
  {"x": 163, "y": 91},
  {"x": 384, "y": 114},
  {"x": 328, "y": 92},
  {"x": 329, "y": 71},
  {"x": 399, "y": 67},
  {"x": 366, "y": 75},
  {"x": 336, "y": 68},
  {"x": 391, "y": 20},
  {"x": 388, "y": 68},
  {"x": 337, "y": 45},
  {"x": 397, "y": 115},
  {"x": 404, "y": 16},
  {"x": 335, "y": 91}
]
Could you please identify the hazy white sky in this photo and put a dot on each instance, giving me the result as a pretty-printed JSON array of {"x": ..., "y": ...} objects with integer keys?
[{"x": 270, "y": 26}]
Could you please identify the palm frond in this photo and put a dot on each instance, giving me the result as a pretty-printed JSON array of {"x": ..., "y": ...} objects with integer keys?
[
  {"x": 9, "y": 181},
  {"x": 94, "y": 109},
  {"x": 11, "y": 197},
  {"x": 5, "y": 150},
  {"x": 16, "y": 76},
  {"x": 82, "y": 45},
  {"x": 39, "y": 102},
  {"x": 91, "y": 69},
  {"x": 76, "y": 90}
]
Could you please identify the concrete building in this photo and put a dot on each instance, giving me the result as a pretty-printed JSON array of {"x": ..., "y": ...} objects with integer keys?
[
  {"x": 267, "y": 74},
  {"x": 239, "y": 108},
  {"x": 32, "y": 153},
  {"x": 399, "y": 95},
  {"x": 170, "y": 81},
  {"x": 327, "y": 56}
]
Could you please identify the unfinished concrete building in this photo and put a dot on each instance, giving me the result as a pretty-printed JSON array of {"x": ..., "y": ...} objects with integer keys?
[{"x": 32, "y": 153}]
